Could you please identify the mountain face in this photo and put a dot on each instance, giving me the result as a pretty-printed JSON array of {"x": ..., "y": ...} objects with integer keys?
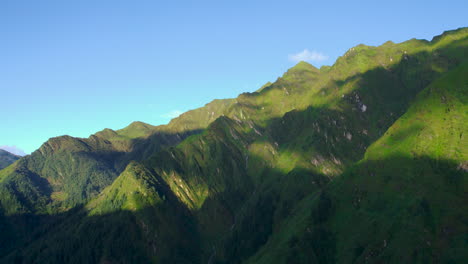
[
  {"x": 7, "y": 158},
  {"x": 361, "y": 162}
]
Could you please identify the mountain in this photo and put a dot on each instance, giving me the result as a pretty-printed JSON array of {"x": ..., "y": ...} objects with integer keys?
[
  {"x": 7, "y": 158},
  {"x": 395, "y": 203},
  {"x": 360, "y": 162}
]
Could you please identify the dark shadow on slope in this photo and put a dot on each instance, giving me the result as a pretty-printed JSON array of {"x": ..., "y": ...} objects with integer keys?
[
  {"x": 120, "y": 237},
  {"x": 401, "y": 210},
  {"x": 363, "y": 218},
  {"x": 143, "y": 148},
  {"x": 166, "y": 233},
  {"x": 265, "y": 212}
]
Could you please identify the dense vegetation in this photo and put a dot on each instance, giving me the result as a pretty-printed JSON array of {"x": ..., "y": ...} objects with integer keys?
[{"x": 361, "y": 162}]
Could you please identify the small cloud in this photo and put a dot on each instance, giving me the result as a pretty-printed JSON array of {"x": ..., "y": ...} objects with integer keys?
[
  {"x": 172, "y": 114},
  {"x": 13, "y": 149},
  {"x": 307, "y": 55}
]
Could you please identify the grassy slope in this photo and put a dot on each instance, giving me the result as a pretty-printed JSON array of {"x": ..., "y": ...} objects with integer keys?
[{"x": 404, "y": 202}]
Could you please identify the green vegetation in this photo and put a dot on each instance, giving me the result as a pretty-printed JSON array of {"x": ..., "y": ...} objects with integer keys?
[
  {"x": 361, "y": 162},
  {"x": 7, "y": 158},
  {"x": 403, "y": 202}
]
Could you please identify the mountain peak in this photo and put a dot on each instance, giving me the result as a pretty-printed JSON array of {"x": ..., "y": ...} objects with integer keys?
[
  {"x": 300, "y": 68},
  {"x": 136, "y": 129},
  {"x": 302, "y": 65}
]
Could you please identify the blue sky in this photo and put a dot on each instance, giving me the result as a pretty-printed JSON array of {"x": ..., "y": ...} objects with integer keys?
[{"x": 77, "y": 67}]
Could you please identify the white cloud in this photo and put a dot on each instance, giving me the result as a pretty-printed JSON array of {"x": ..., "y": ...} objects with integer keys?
[
  {"x": 307, "y": 55},
  {"x": 172, "y": 114},
  {"x": 13, "y": 149}
]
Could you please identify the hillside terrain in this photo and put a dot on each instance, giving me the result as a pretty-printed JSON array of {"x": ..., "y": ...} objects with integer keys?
[
  {"x": 361, "y": 162},
  {"x": 7, "y": 158}
]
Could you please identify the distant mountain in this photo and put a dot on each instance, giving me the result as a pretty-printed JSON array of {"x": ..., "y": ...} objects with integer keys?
[
  {"x": 13, "y": 149},
  {"x": 361, "y": 162},
  {"x": 7, "y": 158}
]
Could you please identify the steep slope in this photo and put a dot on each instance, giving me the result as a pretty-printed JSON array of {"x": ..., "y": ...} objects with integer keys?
[
  {"x": 404, "y": 202},
  {"x": 320, "y": 141},
  {"x": 268, "y": 176},
  {"x": 134, "y": 220},
  {"x": 63, "y": 172},
  {"x": 7, "y": 158}
]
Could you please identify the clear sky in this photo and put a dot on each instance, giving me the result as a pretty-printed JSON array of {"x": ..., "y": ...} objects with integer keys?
[{"x": 77, "y": 67}]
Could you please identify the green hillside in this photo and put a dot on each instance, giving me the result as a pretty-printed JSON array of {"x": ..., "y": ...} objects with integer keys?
[
  {"x": 361, "y": 162},
  {"x": 7, "y": 158},
  {"x": 403, "y": 202}
]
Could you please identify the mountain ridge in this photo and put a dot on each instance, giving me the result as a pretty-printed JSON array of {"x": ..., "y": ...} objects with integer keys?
[{"x": 267, "y": 177}]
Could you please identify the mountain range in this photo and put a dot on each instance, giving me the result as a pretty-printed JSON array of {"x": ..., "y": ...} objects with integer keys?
[{"x": 364, "y": 161}]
